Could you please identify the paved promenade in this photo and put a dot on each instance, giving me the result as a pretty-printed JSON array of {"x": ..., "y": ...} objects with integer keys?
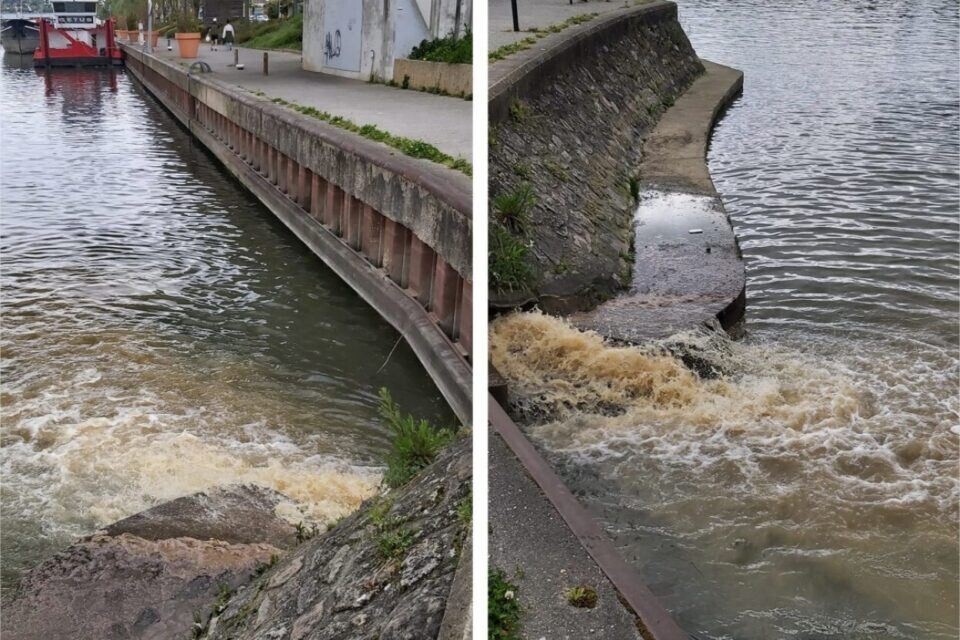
[
  {"x": 536, "y": 14},
  {"x": 444, "y": 122}
]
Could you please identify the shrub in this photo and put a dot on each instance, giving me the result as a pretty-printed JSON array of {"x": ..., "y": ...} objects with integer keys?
[
  {"x": 458, "y": 51},
  {"x": 415, "y": 442},
  {"x": 273, "y": 34}
]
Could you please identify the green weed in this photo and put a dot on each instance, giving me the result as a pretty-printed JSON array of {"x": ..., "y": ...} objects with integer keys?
[
  {"x": 583, "y": 597},
  {"x": 407, "y": 146},
  {"x": 519, "y": 111},
  {"x": 512, "y": 209},
  {"x": 503, "y": 607},
  {"x": 633, "y": 184},
  {"x": 507, "y": 260},
  {"x": 465, "y": 511},
  {"x": 415, "y": 442},
  {"x": 512, "y": 48},
  {"x": 393, "y": 544}
]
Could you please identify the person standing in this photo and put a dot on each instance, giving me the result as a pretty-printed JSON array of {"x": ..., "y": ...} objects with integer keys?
[{"x": 228, "y": 35}]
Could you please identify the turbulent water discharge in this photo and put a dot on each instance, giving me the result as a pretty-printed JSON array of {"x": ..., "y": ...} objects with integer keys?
[
  {"x": 810, "y": 489},
  {"x": 162, "y": 333}
]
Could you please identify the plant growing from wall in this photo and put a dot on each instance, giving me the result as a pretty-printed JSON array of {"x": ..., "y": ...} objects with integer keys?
[
  {"x": 507, "y": 260},
  {"x": 416, "y": 443},
  {"x": 512, "y": 209},
  {"x": 633, "y": 184}
]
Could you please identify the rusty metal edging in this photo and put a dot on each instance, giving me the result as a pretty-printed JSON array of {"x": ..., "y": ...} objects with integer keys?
[
  {"x": 446, "y": 366},
  {"x": 656, "y": 619}
]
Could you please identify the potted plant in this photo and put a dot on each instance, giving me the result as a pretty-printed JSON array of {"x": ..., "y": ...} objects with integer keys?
[
  {"x": 188, "y": 35},
  {"x": 133, "y": 28},
  {"x": 153, "y": 36},
  {"x": 120, "y": 28}
]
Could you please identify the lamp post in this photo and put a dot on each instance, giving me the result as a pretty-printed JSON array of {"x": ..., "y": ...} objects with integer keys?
[
  {"x": 516, "y": 20},
  {"x": 147, "y": 41}
]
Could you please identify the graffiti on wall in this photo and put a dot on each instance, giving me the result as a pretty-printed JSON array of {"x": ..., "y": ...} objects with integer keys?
[
  {"x": 332, "y": 45},
  {"x": 343, "y": 37}
]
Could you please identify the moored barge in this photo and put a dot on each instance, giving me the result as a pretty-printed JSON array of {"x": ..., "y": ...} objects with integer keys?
[{"x": 76, "y": 37}]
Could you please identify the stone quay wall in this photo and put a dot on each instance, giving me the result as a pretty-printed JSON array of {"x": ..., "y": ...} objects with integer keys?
[{"x": 568, "y": 117}]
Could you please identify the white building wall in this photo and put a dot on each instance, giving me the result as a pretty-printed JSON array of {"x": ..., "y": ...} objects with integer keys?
[{"x": 361, "y": 38}]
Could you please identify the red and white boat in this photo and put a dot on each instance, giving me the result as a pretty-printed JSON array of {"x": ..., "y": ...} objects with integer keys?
[{"x": 75, "y": 37}]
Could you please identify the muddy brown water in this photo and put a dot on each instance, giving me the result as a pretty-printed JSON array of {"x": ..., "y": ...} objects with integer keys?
[
  {"x": 812, "y": 490},
  {"x": 162, "y": 333}
]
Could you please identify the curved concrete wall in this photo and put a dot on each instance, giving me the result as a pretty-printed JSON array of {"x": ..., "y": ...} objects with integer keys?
[
  {"x": 398, "y": 230},
  {"x": 568, "y": 117}
]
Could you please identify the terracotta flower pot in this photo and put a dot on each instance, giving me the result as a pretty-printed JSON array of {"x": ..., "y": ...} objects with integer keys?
[
  {"x": 188, "y": 44},
  {"x": 154, "y": 38}
]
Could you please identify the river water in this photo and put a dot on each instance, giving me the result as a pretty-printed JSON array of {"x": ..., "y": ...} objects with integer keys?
[
  {"x": 162, "y": 332},
  {"x": 812, "y": 490}
]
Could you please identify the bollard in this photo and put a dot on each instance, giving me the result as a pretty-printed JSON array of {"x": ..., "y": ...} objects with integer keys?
[
  {"x": 266, "y": 64},
  {"x": 236, "y": 56}
]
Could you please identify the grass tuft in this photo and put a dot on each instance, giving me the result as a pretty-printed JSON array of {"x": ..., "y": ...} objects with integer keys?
[
  {"x": 512, "y": 209},
  {"x": 583, "y": 597},
  {"x": 408, "y": 146},
  {"x": 393, "y": 544},
  {"x": 507, "y": 260},
  {"x": 519, "y": 111},
  {"x": 415, "y": 442},
  {"x": 512, "y": 48}
]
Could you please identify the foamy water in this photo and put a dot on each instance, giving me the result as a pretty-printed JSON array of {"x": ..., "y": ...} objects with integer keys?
[
  {"x": 162, "y": 334},
  {"x": 798, "y": 490}
]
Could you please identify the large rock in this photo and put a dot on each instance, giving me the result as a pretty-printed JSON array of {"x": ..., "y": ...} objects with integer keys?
[
  {"x": 237, "y": 513},
  {"x": 385, "y": 572},
  {"x": 151, "y": 575}
]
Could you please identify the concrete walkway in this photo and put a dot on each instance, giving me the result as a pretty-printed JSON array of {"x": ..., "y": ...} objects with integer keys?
[
  {"x": 536, "y": 550},
  {"x": 538, "y": 14},
  {"x": 444, "y": 122},
  {"x": 691, "y": 272}
]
